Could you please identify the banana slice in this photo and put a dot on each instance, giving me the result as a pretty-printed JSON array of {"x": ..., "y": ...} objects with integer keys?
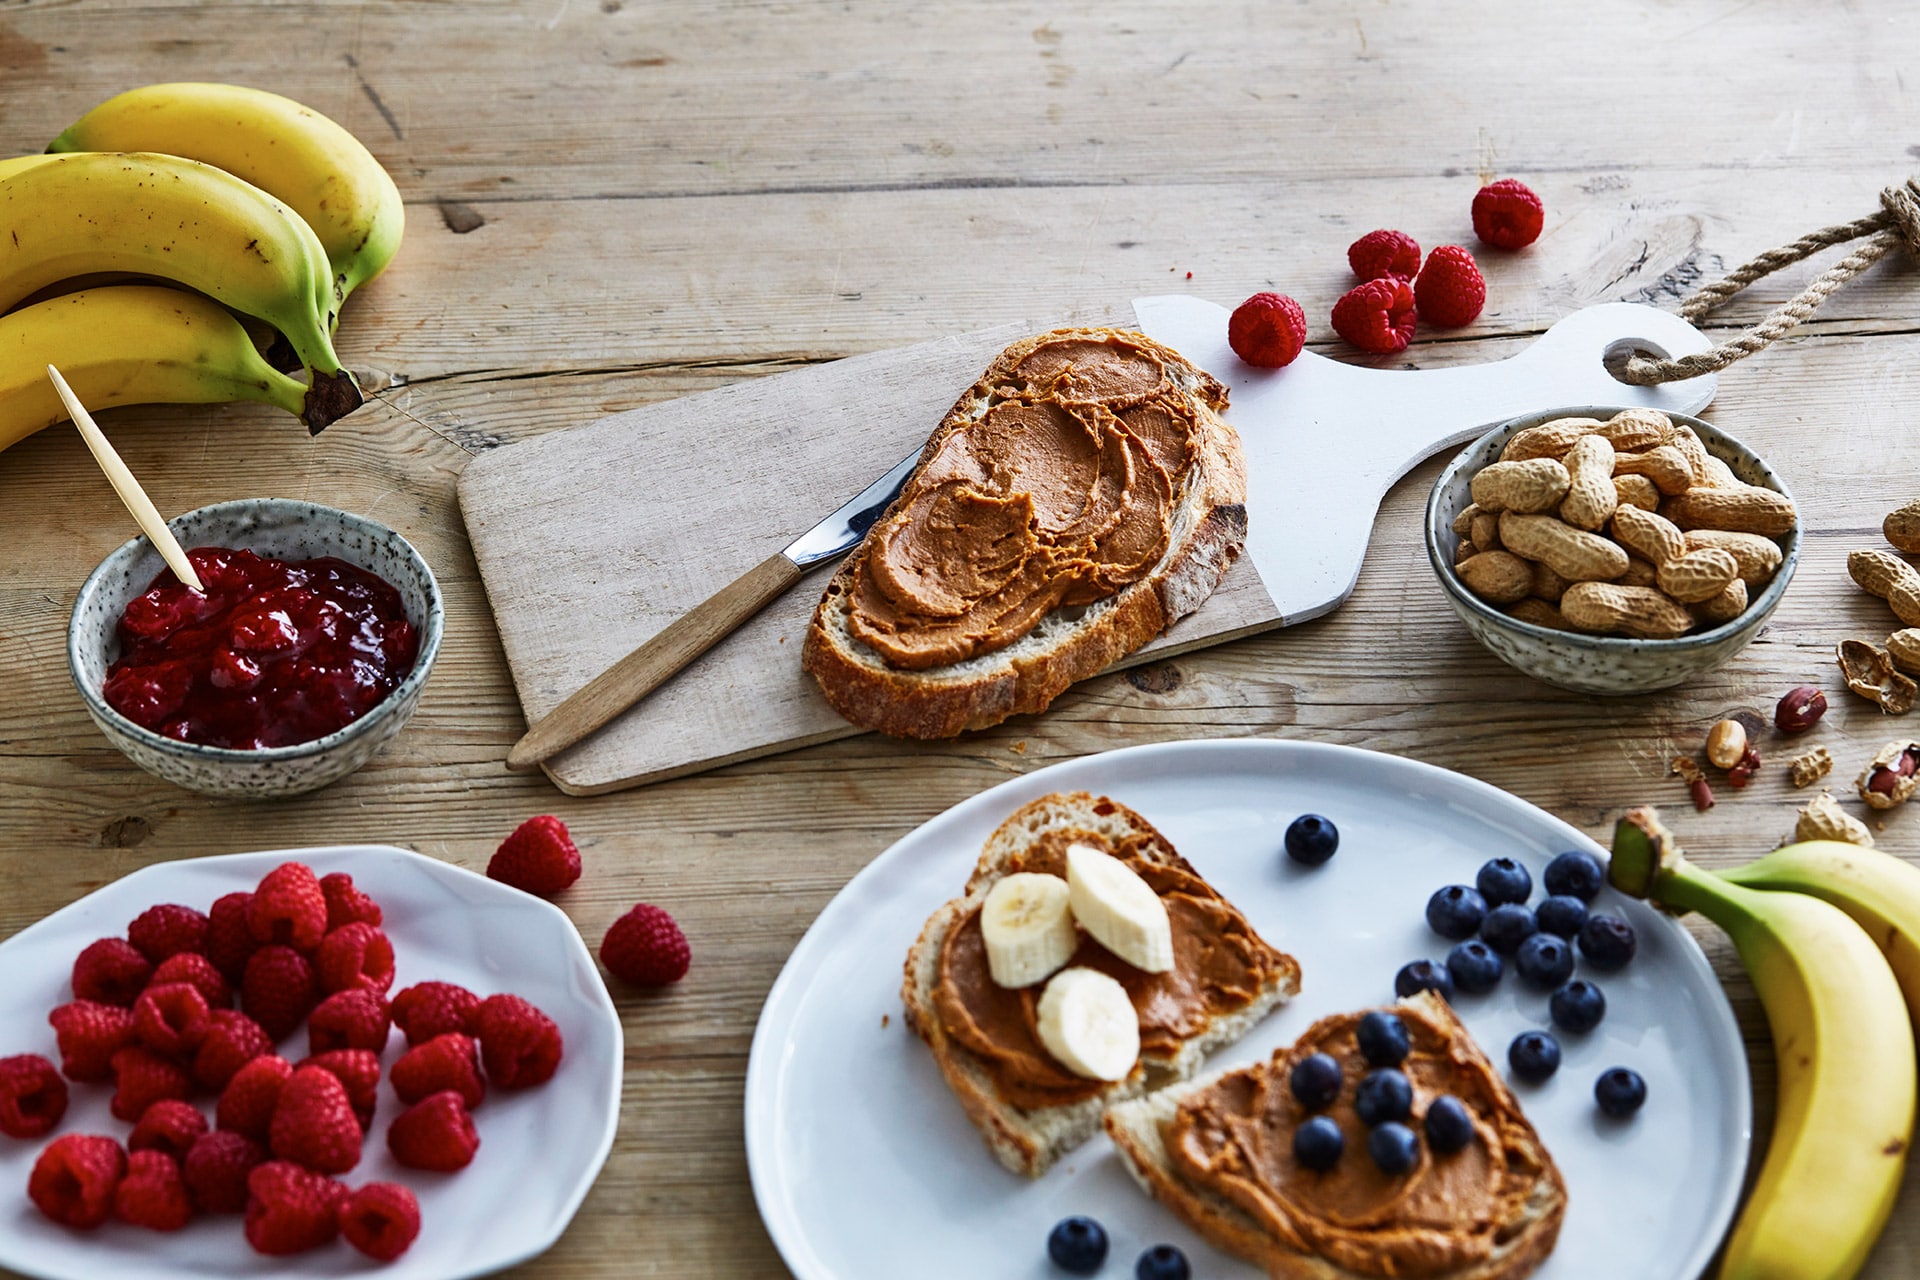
[
  {"x": 1119, "y": 909},
  {"x": 1027, "y": 924},
  {"x": 1088, "y": 1024}
]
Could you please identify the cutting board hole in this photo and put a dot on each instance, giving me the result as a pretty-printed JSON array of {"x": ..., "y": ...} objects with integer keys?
[{"x": 1621, "y": 350}]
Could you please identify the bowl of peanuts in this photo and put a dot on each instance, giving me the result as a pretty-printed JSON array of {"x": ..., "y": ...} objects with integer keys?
[{"x": 1609, "y": 550}]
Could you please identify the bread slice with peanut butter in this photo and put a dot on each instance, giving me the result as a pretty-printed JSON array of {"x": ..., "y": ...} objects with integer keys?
[{"x": 1081, "y": 497}]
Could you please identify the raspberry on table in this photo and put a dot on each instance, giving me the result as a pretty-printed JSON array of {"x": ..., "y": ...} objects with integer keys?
[
  {"x": 169, "y": 929},
  {"x": 172, "y": 1019},
  {"x": 380, "y": 1219},
  {"x": 347, "y": 904},
  {"x": 1450, "y": 290},
  {"x": 1384, "y": 253},
  {"x": 111, "y": 971},
  {"x": 1377, "y": 316},
  {"x": 358, "y": 1071},
  {"x": 1267, "y": 330},
  {"x": 152, "y": 1194},
  {"x": 246, "y": 1105},
  {"x": 169, "y": 1125},
  {"x": 1507, "y": 214},
  {"x": 288, "y": 908},
  {"x": 195, "y": 969},
  {"x": 450, "y": 1061},
  {"x": 33, "y": 1097},
  {"x": 520, "y": 1045},
  {"x": 313, "y": 1123},
  {"x": 645, "y": 947},
  {"x": 232, "y": 1041},
  {"x": 89, "y": 1034},
  {"x": 290, "y": 1209},
  {"x": 216, "y": 1170},
  {"x": 435, "y": 1133},
  {"x": 355, "y": 955},
  {"x": 74, "y": 1179},
  {"x": 230, "y": 937},
  {"x": 428, "y": 1009},
  {"x": 279, "y": 989},
  {"x": 539, "y": 857},
  {"x": 142, "y": 1078},
  {"x": 353, "y": 1019}
]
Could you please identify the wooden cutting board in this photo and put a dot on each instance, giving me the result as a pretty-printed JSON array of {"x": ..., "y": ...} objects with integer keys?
[{"x": 592, "y": 540}]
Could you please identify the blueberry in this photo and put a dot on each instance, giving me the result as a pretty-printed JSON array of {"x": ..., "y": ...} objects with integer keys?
[
  {"x": 1534, "y": 1056},
  {"x": 1384, "y": 1095},
  {"x": 1545, "y": 961},
  {"x": 1607, "y": 942},
  {"x": 1619, "y": 1091},
  {"x": 1311, "y": 839},
  {"x": 1318, "y": 1144},
  {"x": 1423, "y": 975},
  {"x": 1578, "y": 1006},
  {"x": 1383, "y": 1039},
  {"x": 1456, "y": 911},
  {"x": 1316, "y": 1081},
  {"x": 1078, "y": 1245},
  {"x": 1394, "y": 1148},
  {"x": 1507, "y": 926},
  {"x": 1504, "y": 880},
  {"x": 1474, "y": 967},
  {"x": 1562, "y": 914},
  {"x": 1575, "y": 874},
  {"x": 1162, "y": 1262},
  {"x": 1449, "y": 1124}
]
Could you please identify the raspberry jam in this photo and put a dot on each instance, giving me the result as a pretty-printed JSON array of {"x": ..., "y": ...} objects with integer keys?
[{"x": 275, "y": 653}]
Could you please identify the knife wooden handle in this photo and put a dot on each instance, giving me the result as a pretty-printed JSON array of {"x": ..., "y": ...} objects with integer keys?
[{"x": 653, "y": 663}]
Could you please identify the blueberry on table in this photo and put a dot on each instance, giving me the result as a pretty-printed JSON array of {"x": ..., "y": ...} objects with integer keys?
[
  {"x": 1077, "y": 1245},
  {"x": 1534, "y": 1056},
  {"x": 1162, "y": 1262},
  {"x": 1620, "y": 1091},
  {"x": 1563, "y": 914},
  {"x": 1316, "y": 1081},
  {"x": 1474, "y": 967},
  {"x": 1607, "y": 942},
  {"x": 1311, "y": 839},
  {"x": 1507, "y": 926},
  {"x": 1545, "y": 961},
  {"x": 1423, "y": 975},
  {"x": 1456, "y": 911},
  {"x": 1394, "y": 1148},
  {"x": 1575, "y": 875},
  {"x": 1384, "y": 1095},
  {"x": 1504, "y": 880},
  {"x": 1578, "y": 1007},
  {"x": 1318, "y": 1144},
  {"x": 1383, "y": 1039},
  {"x": 1449, "y": 1124}
]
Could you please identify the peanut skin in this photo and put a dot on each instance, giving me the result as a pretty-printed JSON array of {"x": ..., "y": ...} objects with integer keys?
[
  {"x": 1641, "y": 612},
  {"x": 1574, "y": 554},
  {"x": 1535, "y": 485}
]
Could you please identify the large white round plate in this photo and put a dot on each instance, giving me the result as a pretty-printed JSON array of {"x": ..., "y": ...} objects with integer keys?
[
  {"x": 864, "y": 1166},
  {"x": 540, "y": 1149}
]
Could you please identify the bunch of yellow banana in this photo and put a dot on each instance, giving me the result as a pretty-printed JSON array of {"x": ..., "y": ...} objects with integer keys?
[
  {"x": 261, "y": 205},
  {"x": 1830, "y": 935}
]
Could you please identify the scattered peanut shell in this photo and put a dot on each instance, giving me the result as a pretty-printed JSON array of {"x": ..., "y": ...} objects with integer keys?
[
  {"x": 1869, "y": 672},
  {"x": 1745, "y": 509},
  {"x": 1902, "y": 527},
  {"x": 1891, "y": 777},
  {"x": 1891, "y": 578},
  {"x": 1497, "y": 576},
  {"x": 1758, "y": 556},
  {"x": 1548, "y": 440},
  {"x": 1810, "y": 768},
  {"x": 1538, "y": 484},
  {"x": 1641, "y": 612},
  {"x": 1637, "y": 491},
  {"x": 1904, "y": 648},
  {"x": 1822, "y": 818},
  {"x": 1574, "y": 554},
  {"x": 1698, "y": 575}
]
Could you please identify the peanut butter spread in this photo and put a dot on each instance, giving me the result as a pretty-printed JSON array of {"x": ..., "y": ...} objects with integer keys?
[
  {"x": 1220, "y": 966},
  {"x": 1059, "y": 494},
  {"x": 1235, "y": 1138}
]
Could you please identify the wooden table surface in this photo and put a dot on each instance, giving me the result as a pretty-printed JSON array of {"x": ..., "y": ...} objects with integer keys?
[{"x": 613, "y": 202}]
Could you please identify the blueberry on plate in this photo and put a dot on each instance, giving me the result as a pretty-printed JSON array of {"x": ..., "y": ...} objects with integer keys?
[
  {"x": 1575, "y": 874},
  {"x": 1456, "y": 911},
  {"x": 1474, "y": 967},
  {"x": 1162, "y": 1262},
  {"x": 1577, "y": 1007},
  {"x": 1383, "y": 1039},
  {"x": 1545, "y": 961},
  {"x": 1394, "y": 1148},
  {"x": 1507, "y": 926},
  {"x": 1316, "y": 1081},
  {"x": 1311, "y": 839},
  {"x": 1318, "y": 1144},
  {"x": 1607, "y": 942},
  {"x": 1504, "y": 880},
  {"x": 1620, "y": 1091},
  {"x": 1423, "y": 975},
  {"x": 1449, "y": 1124},
  {"x": 1562, "y": 914},
  {"x": 1077, "y": 1245},
  {"x": 1534, "y": 1056},
  {"x": 1384, "y": 1095}
]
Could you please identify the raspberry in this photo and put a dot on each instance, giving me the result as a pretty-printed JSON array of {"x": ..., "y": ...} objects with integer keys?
[
  {"x": 171, "y": 1019},
  {"x": 278, "y": 990},
  {"x": 290, "y": 1210},
  {"x": 89, "y": 1034},
  {"x": 73, "y": 1180},
  {"x": 358, "y": 1071},
  {"x": 246, "y": 1104},
  {"x": 539, "y": 857},
  {"x": 143, "y": 1078},
  {"x": 434, "y": 1133},
  {"x": 1384, "y": 253},
  {"x": 451, "y": 1061},
  {"x": 356, "y": 1019},
  {"x": 33, "y": 1097},
  {"x": 1507, "y": 215},
  {"x": 1267, "y": 330},
  {"x": 153, "y": 1194},
  {"x": 111, "y": 971},
  {"x": 170, "y": 1126},
  {"x": 168, "y": 930},
  {"x": 355, "y": 955},
  {"x": 429, "y": 1009},
  {"x": 345, "y": 904},
  {"x": 519, "y": 1044},
  {"x": 313, "y": 1123},
  {"x": 216, "y": 1170},
  {"x": 288, "y": 908},
  {"x": 230, "y": 938},
  {"x": 380, "y": 1220},
  {"x": 1450, "y": 289},
  {"x": 1376, "y": 316},
  {"x": 645, "y": 947},
  {"x": 191, "y": 967},
  {"x": 233, "y": 1040}
]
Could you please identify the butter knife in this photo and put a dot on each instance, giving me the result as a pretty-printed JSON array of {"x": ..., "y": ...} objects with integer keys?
[{"x": 694, "y": 632}]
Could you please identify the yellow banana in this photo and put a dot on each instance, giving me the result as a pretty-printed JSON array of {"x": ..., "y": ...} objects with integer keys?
[
  {"x": 133, "y": 344},
  {"x": 293, "y": 152},
  {"x": 180, "y": 220},
  {"x": 1842, "y": 1048}
]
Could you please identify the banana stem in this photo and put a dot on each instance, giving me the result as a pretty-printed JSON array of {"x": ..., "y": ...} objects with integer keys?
[{"x": 332, "y": 396}]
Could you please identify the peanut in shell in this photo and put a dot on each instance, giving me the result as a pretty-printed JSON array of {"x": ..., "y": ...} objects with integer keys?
[
  {"x": 1665, "y": 465},
  {"x": 1746, "y": 509},
  {"x": 1902, "y": 527},
  {"x": 1758, "y": 556},
  {"x": 1538, "y": 484},
  {"x": 1634, "y": 430},
  {"x": 1892, "y": 579},
  {"x": 1590, "y": 496},
  {"x": 1499, "y": 577},
  {"x": 1903, "y": 647},
  {"x": 1641, "y": 612},
  {"x": 1648, "y": 535},
  {"x": 1636, "y": 491},
  {"x": 1548, "y": 440},
  {"x": 1699, "y": 575},
  {"x": 1574, "y": 554}
]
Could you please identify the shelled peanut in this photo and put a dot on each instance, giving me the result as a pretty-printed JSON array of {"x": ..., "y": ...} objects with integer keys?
[{"x": 1623, "y": 527}]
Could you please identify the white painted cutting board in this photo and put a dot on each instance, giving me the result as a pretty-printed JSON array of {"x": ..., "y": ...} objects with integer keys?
[{"x": 592, "y": 540}]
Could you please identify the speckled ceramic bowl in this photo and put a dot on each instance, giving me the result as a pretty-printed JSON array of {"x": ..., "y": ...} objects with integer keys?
[
  {"x": 284, "y": 529},
  {"x": 1597, "y": 664}
]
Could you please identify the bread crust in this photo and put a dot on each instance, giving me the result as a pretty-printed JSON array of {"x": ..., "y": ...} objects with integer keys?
[{"x": 1210, "y": 531}]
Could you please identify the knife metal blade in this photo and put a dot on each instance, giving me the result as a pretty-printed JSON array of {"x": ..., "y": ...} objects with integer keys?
[{"x": 841, "y": 532}]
